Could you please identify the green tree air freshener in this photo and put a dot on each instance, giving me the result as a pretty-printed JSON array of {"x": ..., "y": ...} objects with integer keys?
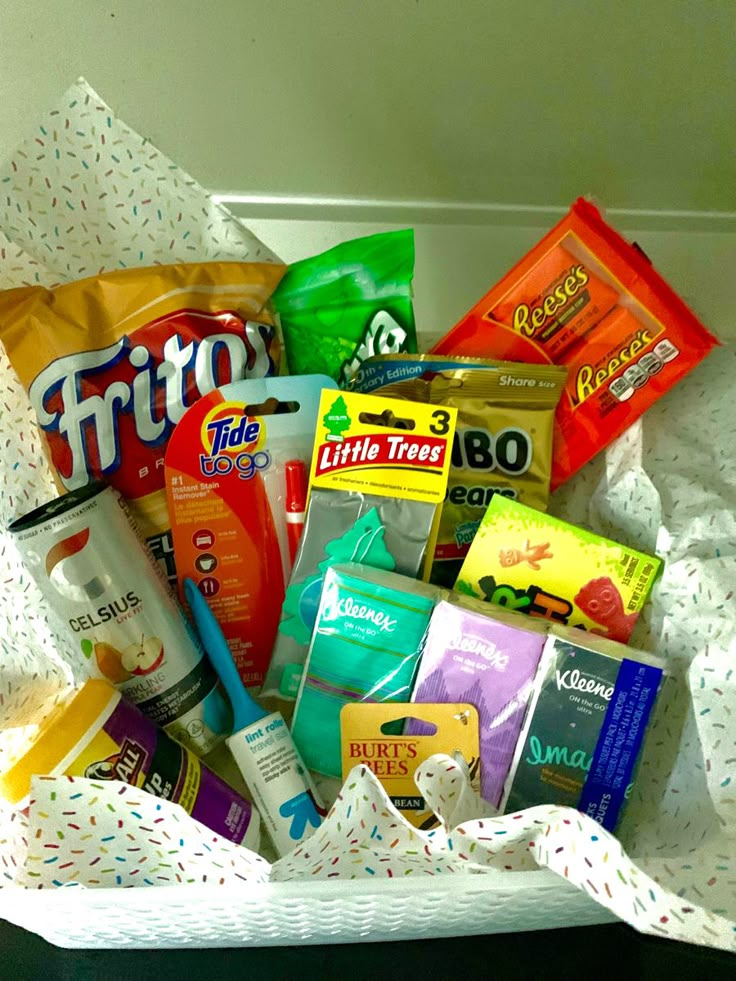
[
  {"x": 348, "y": 304},
  {"x": 363, "y": 543},
  {"x": 336, "y": 420}
]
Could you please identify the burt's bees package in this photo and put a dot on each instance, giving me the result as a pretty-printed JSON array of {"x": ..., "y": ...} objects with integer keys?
[
  {"x": 586, "y": 298},
  {"x": 371, "y": 735},
  {"x": 111, "y": 364},
  {"x": 585, "y": 727},
  {"x": 503, "y": 437},
  {"x": 533, "y": 563}
]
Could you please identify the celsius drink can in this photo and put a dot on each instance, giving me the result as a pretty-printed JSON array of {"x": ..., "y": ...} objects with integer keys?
[{"x": 95, "y": 572}]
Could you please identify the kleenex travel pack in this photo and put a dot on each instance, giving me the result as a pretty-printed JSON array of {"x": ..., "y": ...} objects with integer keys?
[{"x": 584, "y": 727}]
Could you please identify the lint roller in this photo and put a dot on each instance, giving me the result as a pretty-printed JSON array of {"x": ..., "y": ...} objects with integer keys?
[{"x": 261, "y": 744}]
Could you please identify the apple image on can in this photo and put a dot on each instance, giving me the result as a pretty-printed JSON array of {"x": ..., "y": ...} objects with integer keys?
[
  {"x": 110, "y": 662},
  {"x": 144, "y": 656}
]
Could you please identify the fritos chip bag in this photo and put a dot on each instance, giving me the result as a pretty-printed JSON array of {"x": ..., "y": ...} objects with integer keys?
[
  {"x": 111, "y": 363},
  {"x": 586, "y": 298},
  {"x": 503, "y": 437},
  {"x": 536, "y": 564}
]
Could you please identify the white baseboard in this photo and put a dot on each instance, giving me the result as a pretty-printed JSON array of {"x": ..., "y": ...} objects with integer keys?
[{"x": 325, "y": 208}]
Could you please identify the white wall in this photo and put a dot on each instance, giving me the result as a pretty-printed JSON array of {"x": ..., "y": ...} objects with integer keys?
[{"x": 508, "y": 101}]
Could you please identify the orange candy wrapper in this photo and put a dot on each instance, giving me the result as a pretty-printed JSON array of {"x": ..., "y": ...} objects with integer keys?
[{"x": 587, "y": 299}]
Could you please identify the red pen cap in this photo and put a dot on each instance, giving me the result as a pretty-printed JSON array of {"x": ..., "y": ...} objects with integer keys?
[{"x": 295, "y": 473}]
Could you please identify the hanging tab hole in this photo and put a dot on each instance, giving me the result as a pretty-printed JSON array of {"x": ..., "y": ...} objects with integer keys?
[
  {"x": 271, "y": 407},
  {"x": 396, "y": 726},
  {"x": 386, "y": 419}
]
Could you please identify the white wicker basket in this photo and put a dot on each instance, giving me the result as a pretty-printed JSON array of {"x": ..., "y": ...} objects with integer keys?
[
  {"x": 282, "y": 914},
  {"x": 343, "y": 911}
]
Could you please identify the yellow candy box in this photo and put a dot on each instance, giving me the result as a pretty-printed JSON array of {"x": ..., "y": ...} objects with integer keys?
[{"x": 533, "y": 563}]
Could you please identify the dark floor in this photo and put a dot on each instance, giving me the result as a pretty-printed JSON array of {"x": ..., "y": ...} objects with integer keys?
[{"x": 603, "y": 951}]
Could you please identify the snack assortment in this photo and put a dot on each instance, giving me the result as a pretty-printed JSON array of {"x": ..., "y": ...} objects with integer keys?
[{"x": 358, "y": 532}]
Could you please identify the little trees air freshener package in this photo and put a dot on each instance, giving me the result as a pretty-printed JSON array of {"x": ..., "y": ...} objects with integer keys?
[
  {"x": 586, "y": 298},
  {"x": 378, "y": 479},
  {"x": 340, "y": 307},
  {"x": 503, "y": 437},
  {"x": 368, "y": 735},
  {"x": 228, "y": 495}
]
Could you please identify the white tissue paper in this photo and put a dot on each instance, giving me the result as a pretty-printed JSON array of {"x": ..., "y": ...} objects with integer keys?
[
  {"x": 668, "y": 485},
  {"x": 112, "y": 834}
]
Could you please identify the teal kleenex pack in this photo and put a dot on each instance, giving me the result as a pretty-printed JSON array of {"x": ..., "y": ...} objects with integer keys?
[{"x": 366, "y": 646}]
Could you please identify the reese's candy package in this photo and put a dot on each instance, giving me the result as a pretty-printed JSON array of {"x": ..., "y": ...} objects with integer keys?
[
  {"x": 111, "y": 364},
  {"x": 353, "y": 301},
  {"x": 556, "y": 303},
  {"x": 536, "y": 564},
  {"x": 503, "y": 437},
  {"x": 586, "y": 298}
]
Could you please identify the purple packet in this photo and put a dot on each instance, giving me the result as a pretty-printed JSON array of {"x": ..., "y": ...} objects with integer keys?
[{"x": 489, "y": 662}]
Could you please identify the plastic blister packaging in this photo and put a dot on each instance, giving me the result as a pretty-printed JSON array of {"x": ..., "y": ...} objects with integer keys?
[
  {"x": 367, "y": 505},
  {"x": 380, "y": 532},
  {"x": 231, "y": 504},
  {"x": 367, "y": 641}
]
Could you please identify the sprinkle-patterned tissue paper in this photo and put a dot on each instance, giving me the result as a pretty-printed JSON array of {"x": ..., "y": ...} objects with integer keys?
[
  {"x": 111, "y": 834},
  {"x": 365, "y": 837},
  {"x": 85, "y": 193},
  {"x": 108, "y": 834},
  {"x": 576, "y": 848}
]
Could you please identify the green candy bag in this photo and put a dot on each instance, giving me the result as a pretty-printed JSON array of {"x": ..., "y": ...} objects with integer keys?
[{"x": 347, "y": 304}]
